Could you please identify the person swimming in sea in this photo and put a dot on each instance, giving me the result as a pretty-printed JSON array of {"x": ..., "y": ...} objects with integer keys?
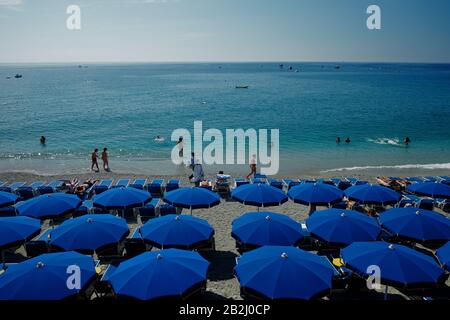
[
  {"x": 348, "y": 140},
  {"x": 407, "y": 141},
  {"x": 338, "y": 140},
  {"x": 42, "y": 140}
]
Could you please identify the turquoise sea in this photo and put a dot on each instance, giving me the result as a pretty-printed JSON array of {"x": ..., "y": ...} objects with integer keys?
[{"x": 123, "y": 107}]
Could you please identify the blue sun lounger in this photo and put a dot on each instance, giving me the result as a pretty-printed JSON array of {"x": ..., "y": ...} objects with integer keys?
[
  {"x": 414, "y": 179},
  {"x": 138, "y": 184},
  {"x": 134, "y": 244},
  {"x": 289, "y": 183},
  {"x": 155, "y": 188},
  {"x": 149, "y": 211},
  {"x": 422, "y": 203},
  {"x": 240, "y": 182},
  {"x": 173, "y": 184},
  {"x": 103, "y": 186},
  {"x": 51, "y": 187},
  {"x": 38, "y": 245},
  {"x": 258, "y": 181},
  {"x": 28, "y": 192},
  {"x": 275, "y": 183},
  {"x": 16, "y": 185},
  {"x": 122, "y": 183},
  {"x": 2, "y": 183},
  {"x": 355, "y": 181}
]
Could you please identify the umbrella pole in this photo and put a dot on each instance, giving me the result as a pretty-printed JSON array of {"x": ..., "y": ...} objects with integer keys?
[
  {"x": 3, "y": 259},
  {"x": 191, "y": 211},
  {"x": 386, "y": 293}
]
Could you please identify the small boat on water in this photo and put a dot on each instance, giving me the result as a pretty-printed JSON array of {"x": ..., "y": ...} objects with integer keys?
[
  {"x": 18, "y": 76},
  {"x": 242, "y": 87}
]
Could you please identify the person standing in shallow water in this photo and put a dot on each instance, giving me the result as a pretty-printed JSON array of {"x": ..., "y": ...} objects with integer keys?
[
  {"x": 42, "y": 140},
  {"x": 105, "y": 159},
  {"x": 94, "y": 157}
]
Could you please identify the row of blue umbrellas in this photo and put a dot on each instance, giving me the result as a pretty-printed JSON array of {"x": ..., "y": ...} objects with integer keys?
[
  {"x": 151, "y": 275},
  {"x": 271, "y": 272},
  {"x": 54, "y": 205},
  {"x": 277, "y": 272},
  {"x": 338, "y": 227},
  {"x": 318, "y": 194},
  {"x": 91, "y": 233}
]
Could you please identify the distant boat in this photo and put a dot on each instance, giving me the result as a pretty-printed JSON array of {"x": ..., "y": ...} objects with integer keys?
[
  {"x": 18, "y": 76},
  {"x": 242, "y": 87}
]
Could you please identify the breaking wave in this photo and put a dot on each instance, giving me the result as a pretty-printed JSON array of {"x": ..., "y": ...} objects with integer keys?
[{"x": 436, "y": 166}]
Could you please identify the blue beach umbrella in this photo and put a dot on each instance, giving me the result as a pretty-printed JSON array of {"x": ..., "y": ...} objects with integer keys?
[
  {"x": 17, "y": 230},
  {"x": 160, "y": 274},
  {"x": 121, "y": 198},
  {"x": 443, "y": 255},
  {"x": 259, "y": 195},
  {"x": 279, "y": 273},
  {"x": 177, "y": 231},
  {"x": 430, "y": 189},
  {"x": 49, "y": 206},
  {"x": 372, "y": 195},
  {"x": 318, "y": 194},
  {"x": 416, "y": 224},
  {"x": 46, "y": 277},
  {"x": 89, "y": 233},
  {"x": 192, "y": 198},
  {"x": 400, "y": 266},
  {"x": 266, "y": 229},
  {"x": 7, "y": 199},
  {"x": 343, "y": 227}
]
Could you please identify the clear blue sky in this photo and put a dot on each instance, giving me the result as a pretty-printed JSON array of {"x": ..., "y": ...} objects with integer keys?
[{"x": 224, "y": 30}]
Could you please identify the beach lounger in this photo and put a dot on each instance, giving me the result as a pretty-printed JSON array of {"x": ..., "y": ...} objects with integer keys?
[
  {"x": 289, "y": 183},
  {"x": 52, "y": 187},
  {"x": 56, "y": 184},
  {"x": 102, "y": 287},
  {"x": 39, "y": 245},
  {"x": 356, "y": 181},
  {"x": 275, "y": 183},
  {"x": 134, "y": 244},
  {"x": 431, "y": 179},
  {"x": 149, "y": 211},
  {"x": 155, "y": 188},
  {"x": 138, "y": 184},
  {"x": 8, "y": 211},
  {"x": 86, "y": 207},
  {"x": 240, "y": 182},
  {"x": 422, "y": 203},
  {"x": 167, "y": 209},
  {"x": 414, "y": 179},
  {"x": 122, "y": 183},
  {"x": 28, "y": 192},
  {"x": 16, "y": 185},
  {"x": 258, "y": 181},
  {"x": 2, "y": 183},
  {"x": 173, "y": 184},
  {"x": 103, "y": 186}
]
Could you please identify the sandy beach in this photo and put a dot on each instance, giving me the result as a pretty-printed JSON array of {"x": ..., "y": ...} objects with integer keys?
[{"x": 221, "y": 282}]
